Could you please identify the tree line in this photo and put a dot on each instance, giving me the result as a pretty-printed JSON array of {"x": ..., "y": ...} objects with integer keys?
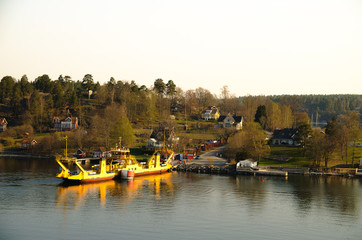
[{"x": 118, "y": 106}]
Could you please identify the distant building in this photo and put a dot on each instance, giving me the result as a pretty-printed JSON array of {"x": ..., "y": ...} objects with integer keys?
[
  {"x": 162, "y": 136},
  {"x": 66, "y": 124},
  {"x": 286, "y": 136},
  {"x": 211, "y": 113},
  {"x": 229, "y": 121},
  {"x": 79, "y": 153},
  {"x": 28, "y": 144},
  {"x": 248, "y": 163},
  {"x": 3, "y": 124},
  {"x": 100, "y": 153}
]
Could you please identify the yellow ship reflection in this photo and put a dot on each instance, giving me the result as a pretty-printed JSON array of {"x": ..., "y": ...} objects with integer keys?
[{"x": 75, "y": 196}]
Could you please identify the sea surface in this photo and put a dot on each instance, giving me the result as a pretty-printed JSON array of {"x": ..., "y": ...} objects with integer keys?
[{"x": 35, "y": 205}]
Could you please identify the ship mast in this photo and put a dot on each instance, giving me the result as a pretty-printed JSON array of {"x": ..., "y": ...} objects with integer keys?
[{"x": 66, "y": 147}]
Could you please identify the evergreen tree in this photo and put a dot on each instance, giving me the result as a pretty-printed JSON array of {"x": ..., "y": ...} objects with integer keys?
[
  {"x": 160, "y": 87},
  {"x": 88, "y": 83},
  {"x": 331, "y": 139},
  {"x": 43, "y": 83},
  {"x": 16, "y": 100},
  {"x": 25, "y": 85},
  {"x": 58, "y": 95},
  {"x": 35, "y": 110},
  {"x": 170, "y": 88},
  {"x": 260, "y": 116},
  {"x": 6, "y": 88},
  {"x": 304, "y": 133},
  {"x": 73, "y": 101}
]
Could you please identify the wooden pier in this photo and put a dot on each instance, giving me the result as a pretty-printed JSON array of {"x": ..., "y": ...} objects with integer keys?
[{"x": 262, "y": 171}]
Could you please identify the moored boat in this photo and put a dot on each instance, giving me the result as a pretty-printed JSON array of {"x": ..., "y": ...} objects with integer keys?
[
  {"x": 100, "y": 172},
  {"x": 118, "y": 164},
  {"x": 160, "y": 162}
]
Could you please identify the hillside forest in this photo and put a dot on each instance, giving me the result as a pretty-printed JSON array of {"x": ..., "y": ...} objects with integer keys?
[{"x": 120, "y": 108}]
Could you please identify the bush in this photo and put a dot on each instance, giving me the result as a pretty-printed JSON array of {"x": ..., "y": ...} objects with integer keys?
[
  {"x": 49, "y": 144},
  {"x": 8, "y": 141},
  {"x": 20, "y": 131}
]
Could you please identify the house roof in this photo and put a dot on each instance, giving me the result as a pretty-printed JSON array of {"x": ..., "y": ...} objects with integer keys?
[
  {"x": 3, "y": 121},
  {"x": 286, "y": 133},
  {"x": 237, "y": 119},
  {"x": 67, "y": 119},
  {"x": 221, "y": 118},
  {"x": 210, "y": 109},
  {"x": 28, "y": 141}
]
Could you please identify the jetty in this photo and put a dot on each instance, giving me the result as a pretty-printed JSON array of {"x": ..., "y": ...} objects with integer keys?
[
  {"x": 262, "y": 171},
  {"x": 227, "y": 170}
]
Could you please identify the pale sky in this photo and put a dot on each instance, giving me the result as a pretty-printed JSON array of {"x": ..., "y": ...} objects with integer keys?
[{"x": 252, "y": 46}]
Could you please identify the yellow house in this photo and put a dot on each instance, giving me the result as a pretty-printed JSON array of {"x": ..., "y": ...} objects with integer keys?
[{"x": 211, "y": 113}]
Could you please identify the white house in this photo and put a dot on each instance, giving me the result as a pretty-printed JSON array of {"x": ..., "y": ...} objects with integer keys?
[
  {"x": 100, "y": 153},
  {"x": 229, "y": 121}
]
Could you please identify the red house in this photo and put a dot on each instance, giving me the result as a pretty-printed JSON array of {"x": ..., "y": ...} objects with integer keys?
[{"x": 66, "y": 124}]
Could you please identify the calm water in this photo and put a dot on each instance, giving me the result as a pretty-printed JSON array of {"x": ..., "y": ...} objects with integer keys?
[{"x": 176, "y": 206}]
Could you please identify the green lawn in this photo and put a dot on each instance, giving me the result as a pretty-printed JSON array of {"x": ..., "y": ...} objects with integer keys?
[
  {"x": 289, "y": 157},
  {"x": 296, "y": 159}
]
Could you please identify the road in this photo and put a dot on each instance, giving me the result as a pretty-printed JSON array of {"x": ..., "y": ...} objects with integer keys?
[{"x": 209, "y": 158}]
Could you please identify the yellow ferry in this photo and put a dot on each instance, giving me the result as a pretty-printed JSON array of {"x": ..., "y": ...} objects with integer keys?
[
  {"x": 107, "y": 168},
  {"x": 100, "y": 172},
  {"x": 119, "y": 152},
  {"x": 155, "y": 165},
  {"x": 118, "y": 164}
]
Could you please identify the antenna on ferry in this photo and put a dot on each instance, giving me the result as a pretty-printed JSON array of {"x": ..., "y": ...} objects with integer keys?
[
  {"x": 164, "y": 140},
  {"x": 66, "y": 147}
]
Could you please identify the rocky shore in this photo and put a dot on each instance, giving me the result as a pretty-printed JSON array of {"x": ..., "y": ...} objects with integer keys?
[
  {"x": 209, "y": 169},
  {"x": 231, "y": 170}
]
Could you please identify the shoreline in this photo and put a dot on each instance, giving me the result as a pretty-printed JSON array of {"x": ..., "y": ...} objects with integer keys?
[
  {"x": 25, "y": 155},
  {"x": 231, "y": 170}
]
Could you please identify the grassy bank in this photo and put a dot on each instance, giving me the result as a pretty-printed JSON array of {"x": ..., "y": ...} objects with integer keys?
[{"x": 294, "y": 157}]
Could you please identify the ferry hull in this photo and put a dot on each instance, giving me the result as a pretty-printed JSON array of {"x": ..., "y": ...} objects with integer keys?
[
  {"x": 127, "y": 174},
  {"x": 151, "y": 172},
  {"x": 90, "y": 180}
]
